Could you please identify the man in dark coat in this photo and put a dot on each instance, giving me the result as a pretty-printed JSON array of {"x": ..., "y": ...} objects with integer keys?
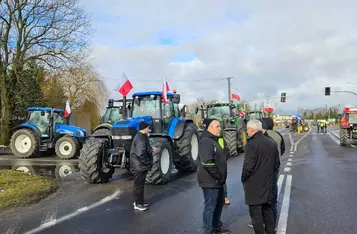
[
  {"x": 212, "y": 174},
  {"x": 140, "y": 164},
  {"x": 260, "y": 163}
]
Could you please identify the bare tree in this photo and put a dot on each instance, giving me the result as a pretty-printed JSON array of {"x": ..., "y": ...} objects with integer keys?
[{"x": 49, "y": 32}]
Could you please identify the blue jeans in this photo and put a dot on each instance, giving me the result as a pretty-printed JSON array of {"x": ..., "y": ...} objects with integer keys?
[
  {"x": 275, "y": 200},
  {"x": 212, "y": 211}
]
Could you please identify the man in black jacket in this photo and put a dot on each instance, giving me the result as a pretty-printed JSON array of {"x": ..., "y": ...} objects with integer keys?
[
  {"x": 212, "y": 174},
  {"x": 140, "y": 163},
  {"x": 261, "y": 160}
]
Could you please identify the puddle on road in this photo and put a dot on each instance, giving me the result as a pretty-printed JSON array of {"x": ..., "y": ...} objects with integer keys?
[{"x": 61, "y": 171}]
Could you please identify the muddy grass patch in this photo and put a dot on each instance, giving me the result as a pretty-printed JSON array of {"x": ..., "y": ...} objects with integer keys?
[{"x": 19, "y": 188}]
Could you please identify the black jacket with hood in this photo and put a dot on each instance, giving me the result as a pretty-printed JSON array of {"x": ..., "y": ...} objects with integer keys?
[
  {"x": 212, "y": 169},
  {"x": 140, "y": 153}
]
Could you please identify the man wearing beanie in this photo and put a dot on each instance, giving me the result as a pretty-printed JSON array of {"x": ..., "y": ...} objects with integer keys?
[
  {"x": 212, "y": 174},
  {"x": 140, "y": 164}
]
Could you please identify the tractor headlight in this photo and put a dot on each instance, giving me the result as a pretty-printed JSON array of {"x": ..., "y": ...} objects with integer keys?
[{"x": 80, "y": 133}]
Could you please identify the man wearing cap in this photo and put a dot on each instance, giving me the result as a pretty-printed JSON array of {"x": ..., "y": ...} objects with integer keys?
[
  {"x": 212, "y": 174},
  {"x": 140, "y": 164}
]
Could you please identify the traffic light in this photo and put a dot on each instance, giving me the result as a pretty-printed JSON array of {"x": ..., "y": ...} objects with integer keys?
[
  {"x": 327, "y": 91},
  {"x": 283, "y": 97}
]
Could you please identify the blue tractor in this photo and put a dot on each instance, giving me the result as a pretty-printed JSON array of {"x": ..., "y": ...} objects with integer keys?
[
  {"x": 174, "y": 136},
  {"x": 43, "y": 130}
]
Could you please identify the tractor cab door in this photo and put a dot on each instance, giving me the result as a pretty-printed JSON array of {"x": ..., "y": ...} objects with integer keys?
[
  {"x": 41, "y": 119},
  {"x": 57, "y": 119},
  {"x": 168, "y": 112}
]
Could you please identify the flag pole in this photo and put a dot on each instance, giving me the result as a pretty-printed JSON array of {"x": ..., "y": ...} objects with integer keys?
[{"x": 124, "y": 108}]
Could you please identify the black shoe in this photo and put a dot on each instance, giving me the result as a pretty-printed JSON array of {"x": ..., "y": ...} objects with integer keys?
[
  {"x": 221, "y": 231},
  {"x": 140, "y": 207},
  {"x": 145, "y": 204}
]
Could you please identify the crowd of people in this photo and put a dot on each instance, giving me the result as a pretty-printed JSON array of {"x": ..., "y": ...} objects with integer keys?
[{"x": 259, "y": 173}]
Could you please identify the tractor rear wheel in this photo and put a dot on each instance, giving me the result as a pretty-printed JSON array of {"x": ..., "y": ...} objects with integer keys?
[
  {"x": 91, "y": 163},
  {"x": 162, "y": 162},
  {"x": 230, "y": 137},
  {"x": 24, "y": 144},
  {"x": 344, "y": 135},
  {"x": 188, "y": 149},
  {"x": 67, "y": 147}
]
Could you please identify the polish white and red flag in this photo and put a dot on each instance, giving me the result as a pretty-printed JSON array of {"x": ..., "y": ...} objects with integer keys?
[
  {"x": 165, "y": 89},
  {"x": 125, "y": 85},
  {"x": 235, "y": 95},
  {"x": 67, "y": 110}
]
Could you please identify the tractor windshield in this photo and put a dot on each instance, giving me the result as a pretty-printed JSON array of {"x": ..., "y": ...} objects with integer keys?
[
  {"x": 218, "y": 111},
  {"x": 254, "y": 115},
  {"x": 147, "y": 106},
  {"x": 111, "y": 115}
]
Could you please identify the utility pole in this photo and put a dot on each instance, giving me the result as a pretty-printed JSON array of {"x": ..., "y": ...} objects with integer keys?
[{"x": 229, "y": 89}]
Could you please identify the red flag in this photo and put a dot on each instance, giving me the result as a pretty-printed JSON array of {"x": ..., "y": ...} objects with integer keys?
[
  {"x": 67, "y": 111},
  {"x": 165, "y": 89},
  {"x": 268, "y": 109},
  {"x": 125, "y": 85},
  {"x": 235, "y": 96}
]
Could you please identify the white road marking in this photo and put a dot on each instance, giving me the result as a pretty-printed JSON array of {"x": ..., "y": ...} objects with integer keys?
[
  {"x": 77, "y": 212},
  {"x": 302, "y": 138},
  {"x": 333, "y": 138},
  {"x": 291, "y": 155},
  {"x": 338, "y": 136},
  {"x": 50, "y": 218},
  {"x": 14, "y": 228},
  {"x": 291, "y": 142},
  {"x": 280, "y": 183},
  {"x": 288, "y": 164},
  {"x": 289, "y": 160},
  {"x": 284, "y": 213},
  {"x": 287, "y": 169}
]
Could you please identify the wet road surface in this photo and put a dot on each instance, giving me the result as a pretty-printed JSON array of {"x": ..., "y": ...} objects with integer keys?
[{"x": 316, "y": 185}]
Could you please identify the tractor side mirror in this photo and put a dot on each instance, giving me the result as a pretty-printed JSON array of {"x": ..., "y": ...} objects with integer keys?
[
  {"x": 176, "y": 98},
  {"x": 184, "y": 111},
  {"x": 196, "y": 110},
  {"x": 43, "y": 113},
  {"x": 110, "y": 103}
]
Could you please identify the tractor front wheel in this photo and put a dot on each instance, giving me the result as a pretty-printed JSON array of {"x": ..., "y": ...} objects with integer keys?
[
  {"x": 24, "y": 144},
  {"x": 91, "y": 163},
  {"x": 67, "y": 147},
  {"x": 188, "y": 149},
  {"x": 344, "y": 135},
  {"x": 230, "y": 137},
  {"x": 162, "y": 162}
]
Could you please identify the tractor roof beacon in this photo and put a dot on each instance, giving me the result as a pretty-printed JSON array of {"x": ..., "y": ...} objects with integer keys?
[
  {"x": 174, "y": 136},
  {"x": 113, "y": 114},
  {"x": 348, "y": 125},
  {"x": 45, "y": 129},
  {"x": 233, "y": 126}
]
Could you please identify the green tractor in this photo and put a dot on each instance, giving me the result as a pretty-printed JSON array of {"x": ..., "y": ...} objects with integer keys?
[
  {"x": 113, "y": 114},
  {"x": 233, "y": 126},
  {"x": 257, "y": 115}
]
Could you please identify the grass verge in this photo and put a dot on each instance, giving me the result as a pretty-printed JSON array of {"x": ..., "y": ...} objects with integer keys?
[{"x": 19, "y": 188}]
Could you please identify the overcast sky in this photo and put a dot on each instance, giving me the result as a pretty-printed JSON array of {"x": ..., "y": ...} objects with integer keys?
[{"x": 297, "y": 47}]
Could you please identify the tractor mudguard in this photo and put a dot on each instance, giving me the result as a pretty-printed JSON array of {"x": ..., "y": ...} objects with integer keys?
[
  {"x": 31, "y": 127},
  {"x": 103, "y": 125},
  {"x": 177, "y": 126}
]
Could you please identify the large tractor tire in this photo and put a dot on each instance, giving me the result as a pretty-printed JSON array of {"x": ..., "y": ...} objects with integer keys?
[
  {"x": 230, "y": 137},
  {"x": 306, "y": 128},
  {"x": 344, "y": 135},
  {"x": 91, "y": 165},
  {"x": 160, "y": 172},
  {"x": 188, "y": 149},
  {"x": 67, "y": 147},
  {"x": 24, "y": 144},
  {"x": 102, "y": 131}
]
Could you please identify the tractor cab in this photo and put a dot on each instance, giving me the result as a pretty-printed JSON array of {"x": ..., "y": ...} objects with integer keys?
[
  {"x": 349, "y": 117},
  {"x": 257, "y": 115},
  {"x": 114, "y": 112}
]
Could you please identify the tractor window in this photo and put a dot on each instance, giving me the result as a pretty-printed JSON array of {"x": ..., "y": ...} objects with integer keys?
[
  {"x": 111, "y": 115},
  {"x": 168, "y": 109},
  {"x": 218, "y": 111},
  {"x": 57, "y": 118},
  {"x": 146, "y": 106},
  {"x": 177, "y": 110},
  {"x": 41, "y": 122},
  {"x": 352, "y": 118}
]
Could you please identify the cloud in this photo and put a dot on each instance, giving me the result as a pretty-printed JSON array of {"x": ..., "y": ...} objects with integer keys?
[{"x": 268, "y": 46}]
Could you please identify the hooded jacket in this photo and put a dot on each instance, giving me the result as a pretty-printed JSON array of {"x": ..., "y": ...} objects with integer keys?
[{"x": 212, "y": 168}]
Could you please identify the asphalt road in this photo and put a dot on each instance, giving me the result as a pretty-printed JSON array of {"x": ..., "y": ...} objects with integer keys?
[{"x": 317, "y": 195}]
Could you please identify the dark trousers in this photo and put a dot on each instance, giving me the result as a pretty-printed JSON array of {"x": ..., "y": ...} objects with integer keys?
[
  {"x": 139, "y": 184},
  {"x": 275, "y": 199},
  {"x": 260, "y": 215},
  {"x": 212, "y": 211}
]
